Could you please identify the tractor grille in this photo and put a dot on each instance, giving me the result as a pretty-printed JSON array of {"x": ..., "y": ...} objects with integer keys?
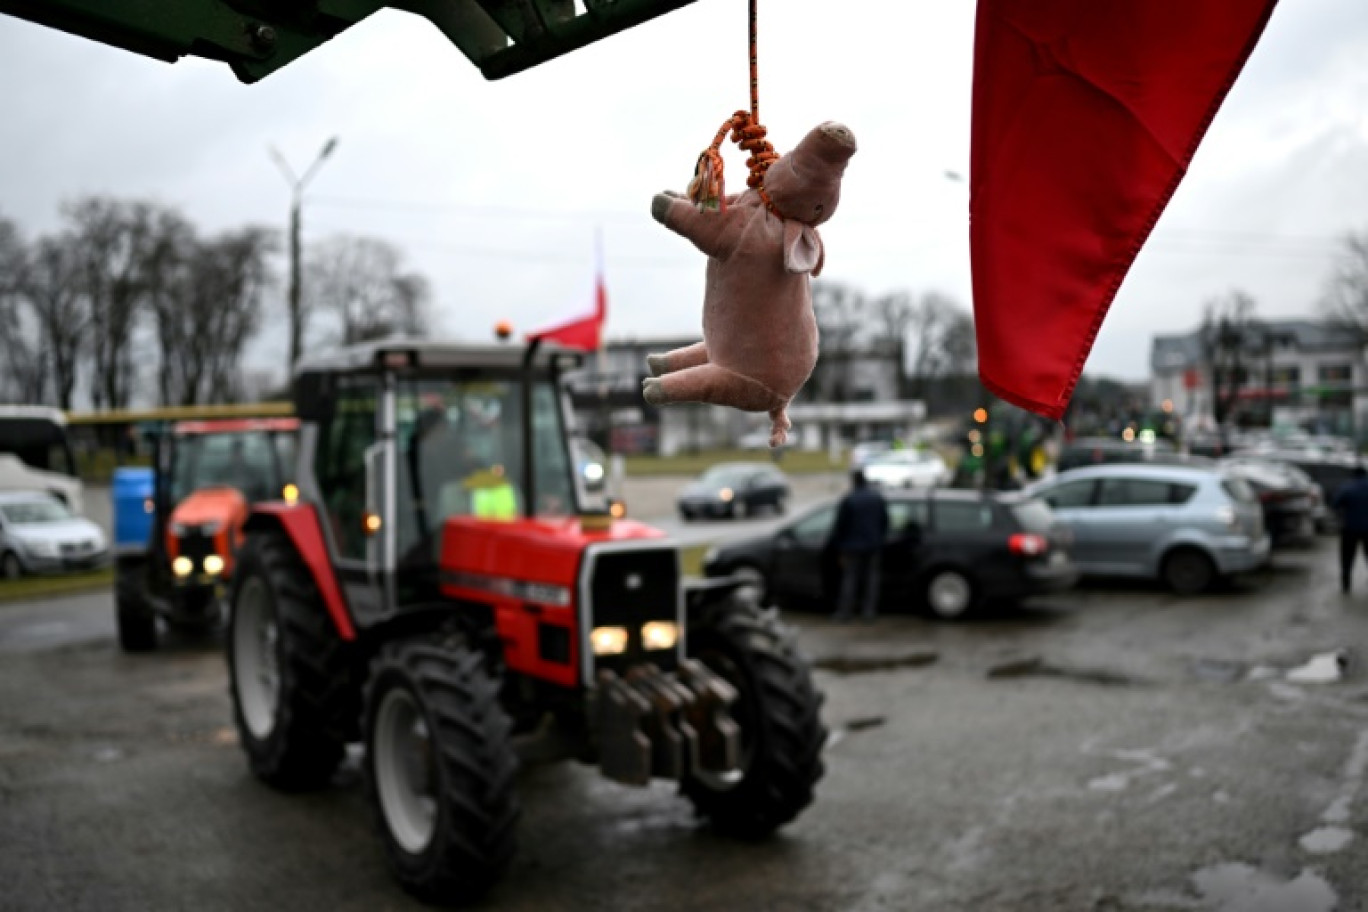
[
  {"x": 630, "y": 587},
  {"x": 627, "y": 589},
  {"x": 196, "y": 546}
]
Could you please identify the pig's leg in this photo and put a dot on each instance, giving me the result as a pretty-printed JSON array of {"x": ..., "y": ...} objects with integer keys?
[
  {"x": 712, "y": 384},
  {"x": 680, "y": 358}
]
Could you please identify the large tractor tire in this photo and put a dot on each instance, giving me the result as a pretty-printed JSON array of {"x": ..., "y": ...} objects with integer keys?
[
  {"x": 136, "y": 620},
  {"x": 778, "y": 711},
  {"x": 440, "y": 769},
  {"x": 292, "y": 681}
]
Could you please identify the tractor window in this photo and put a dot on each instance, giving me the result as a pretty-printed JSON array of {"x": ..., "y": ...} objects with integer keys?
[
  {"x": 340, "y": 462},
  {"x": 460, "y": 453},
  {"x": 236, "y": 459}
]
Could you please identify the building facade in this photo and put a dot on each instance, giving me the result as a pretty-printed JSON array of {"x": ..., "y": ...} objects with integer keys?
[{"x": 1295, "y": 374}]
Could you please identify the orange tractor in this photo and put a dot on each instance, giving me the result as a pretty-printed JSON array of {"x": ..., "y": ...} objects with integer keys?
[
  {"x": 438, "y": 593},
  {"x": 206, "y": 475}
]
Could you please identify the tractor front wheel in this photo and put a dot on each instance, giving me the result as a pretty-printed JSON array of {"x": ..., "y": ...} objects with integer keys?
[
  {"x": 293, "y": 689},
  {"x": 777, "y": 710},
  {"x": 440, "y": 769}
]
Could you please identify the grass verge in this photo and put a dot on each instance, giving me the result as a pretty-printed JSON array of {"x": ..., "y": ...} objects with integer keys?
[
  {"x": 30, "y": 587},
  {"x": 792, "y": 462}
]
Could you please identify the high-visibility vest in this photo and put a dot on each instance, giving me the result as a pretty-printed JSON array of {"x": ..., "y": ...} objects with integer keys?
[{"x": 497, "y": 501}]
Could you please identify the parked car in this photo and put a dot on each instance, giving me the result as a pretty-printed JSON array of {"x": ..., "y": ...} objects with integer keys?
[
  {"x": 1292, "y": 502},
  {"x": 731, "y": 489},
  {"x": 1328, "y": 469},
  {"x": 948, "y": 551},
  {"x": 40, "y": 534},
  {"x": 907, "y": 469},
  {"x": 1184, "y": 525},
  {"x": 861, "y": 453}
]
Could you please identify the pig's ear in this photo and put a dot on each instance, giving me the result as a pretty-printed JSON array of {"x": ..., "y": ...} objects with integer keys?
[{"x": 802, "y": 248}]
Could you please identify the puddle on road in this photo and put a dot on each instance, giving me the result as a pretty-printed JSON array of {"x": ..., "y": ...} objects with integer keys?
[
  {"x": 1235, "y": 887},
  {"x": 1325, "y": 840}
]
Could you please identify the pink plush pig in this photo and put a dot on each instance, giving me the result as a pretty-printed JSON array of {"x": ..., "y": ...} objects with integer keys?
[{"x": 759, "y": 333}]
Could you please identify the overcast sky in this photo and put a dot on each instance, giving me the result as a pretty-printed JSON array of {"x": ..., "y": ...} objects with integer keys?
[{"x": 494, "y": 190}]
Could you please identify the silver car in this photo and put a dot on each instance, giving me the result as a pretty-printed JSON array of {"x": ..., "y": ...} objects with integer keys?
[
  {"x": 1185, "y": 526},
  {"x": 38, "y": 534}
]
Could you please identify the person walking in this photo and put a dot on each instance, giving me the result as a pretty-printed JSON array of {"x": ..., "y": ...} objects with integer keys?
[
  {"x": 857, "y": 538},
  {"x": 1351, "y": 502}
]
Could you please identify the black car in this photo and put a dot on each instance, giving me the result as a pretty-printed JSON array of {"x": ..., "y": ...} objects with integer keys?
[
  {"x": 734, "y": 489},
  {"x": 1329, "y": 471},
  {"x": 948, "y": 551},
  {"x": 1291, "y": 501}
]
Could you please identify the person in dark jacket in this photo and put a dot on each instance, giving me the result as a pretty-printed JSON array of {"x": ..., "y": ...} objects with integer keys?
[
  {"x": 857, "y": 539},
  {"x": 1351, "y": 501}
]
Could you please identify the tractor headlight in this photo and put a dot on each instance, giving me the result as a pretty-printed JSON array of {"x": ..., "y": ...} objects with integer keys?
[
  {"x": 182, "y": 566},
  {"x": 659, "y": 635},
  {"x": 608, "y": 640},
  {"x": 213, "y": 565}
]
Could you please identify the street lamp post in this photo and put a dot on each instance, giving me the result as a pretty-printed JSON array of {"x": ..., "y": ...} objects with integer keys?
[{"x": 297, "y": 185}]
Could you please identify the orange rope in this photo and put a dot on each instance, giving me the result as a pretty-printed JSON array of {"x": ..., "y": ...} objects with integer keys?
[{"x": 707, "y": 187}]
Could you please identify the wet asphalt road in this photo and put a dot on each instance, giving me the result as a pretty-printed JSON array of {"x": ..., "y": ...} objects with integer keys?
[{"x": 1114, "y": 748}]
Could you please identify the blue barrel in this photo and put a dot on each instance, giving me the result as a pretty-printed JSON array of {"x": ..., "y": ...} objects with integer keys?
[{"x": 132, "y": 493}]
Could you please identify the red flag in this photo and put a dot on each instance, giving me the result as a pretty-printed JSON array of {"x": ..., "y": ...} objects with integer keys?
[
  {"x": 584, "y": 332},
  {"x": 1086, "y": 116}
]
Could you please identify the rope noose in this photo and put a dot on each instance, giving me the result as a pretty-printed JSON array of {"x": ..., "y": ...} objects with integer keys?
[{"x": 707, "y": 189}]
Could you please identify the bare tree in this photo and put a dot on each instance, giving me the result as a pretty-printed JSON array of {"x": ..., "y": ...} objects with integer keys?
[
  {"x": 840, "y": 310},
  {"x": 206, "y": 298},
  {"x": 1230, "y": 338},
  {"x": 24, "y": 368},
  {"x": 360, "y": 282},
  {"x": 113, "y": 238},
  {"x": 1346, "y": 297},
  {"x": 943, "y": 341},
  {"x": 50, "y": 288},
  {"x": 895, "y": 314}
]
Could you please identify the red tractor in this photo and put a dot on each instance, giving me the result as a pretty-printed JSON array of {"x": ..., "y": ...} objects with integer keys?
[
  {"x": 180, "y": 522},
  {"x": 438, "y": 593}
]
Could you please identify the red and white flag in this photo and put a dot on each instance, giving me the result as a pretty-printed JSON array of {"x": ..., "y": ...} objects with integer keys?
[
  {"x": 1086, "y": 115},
  {"x": 583, "y": 332}
]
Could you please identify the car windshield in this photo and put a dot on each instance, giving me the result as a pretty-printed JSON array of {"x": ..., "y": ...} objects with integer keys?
[
  {"x": 246, "y": 460},
  {"x": 726, "y": 476},
  {"x": 32, "y": 512},
  {"x": 1034, "y": 515}
]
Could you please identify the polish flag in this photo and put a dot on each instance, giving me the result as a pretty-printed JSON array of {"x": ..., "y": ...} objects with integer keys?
[
  {"x": 583, "y": 332},
  {"x": 1086, "y": 115}
]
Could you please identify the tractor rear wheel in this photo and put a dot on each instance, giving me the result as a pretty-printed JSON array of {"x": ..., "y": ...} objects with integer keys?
[
  {"x": 293, "y": 688},
  {"x": 137, "y": 623},
  {"x": 440, "y": 768},
  {"x": 778, "y": 711}
]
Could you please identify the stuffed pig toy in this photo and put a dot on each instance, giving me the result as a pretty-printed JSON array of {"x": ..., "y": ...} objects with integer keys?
[{"x": 759, "y": 332}]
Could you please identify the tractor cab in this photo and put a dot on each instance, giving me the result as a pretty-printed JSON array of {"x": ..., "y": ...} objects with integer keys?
[{"x": 441, "y": 591}]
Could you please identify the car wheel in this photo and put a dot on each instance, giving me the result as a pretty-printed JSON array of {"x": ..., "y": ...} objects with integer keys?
[
  {"x": 1188, "y": 571},
  {"x": 10, "y": 566},
  {"x": 949, "y": 594}
]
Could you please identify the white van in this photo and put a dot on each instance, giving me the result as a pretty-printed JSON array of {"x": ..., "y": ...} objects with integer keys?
[{"x": 35, "y": 454}]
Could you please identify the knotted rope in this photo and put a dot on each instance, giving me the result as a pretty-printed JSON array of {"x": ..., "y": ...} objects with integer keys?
[{"x": 707, "y": 189}]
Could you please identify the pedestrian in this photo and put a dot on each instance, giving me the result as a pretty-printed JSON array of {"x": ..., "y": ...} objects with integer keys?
[
  {"x": 1351, "y": 501},
  {"x": 857, "y": 538}
]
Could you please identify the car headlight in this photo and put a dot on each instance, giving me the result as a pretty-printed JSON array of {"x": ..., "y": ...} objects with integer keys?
[
  {"x": 726, "y": 495},
  {"x": 608, "y": 640}
]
